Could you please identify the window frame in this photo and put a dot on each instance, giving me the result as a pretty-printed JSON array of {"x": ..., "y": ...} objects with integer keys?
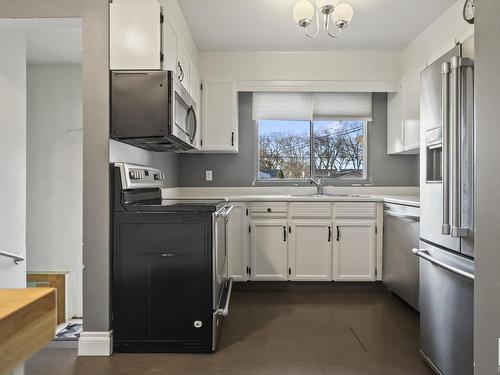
[{"x": 327, "y": 180}]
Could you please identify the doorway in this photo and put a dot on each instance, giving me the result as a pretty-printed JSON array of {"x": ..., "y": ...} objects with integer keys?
[{"x": 43, "y": 147}]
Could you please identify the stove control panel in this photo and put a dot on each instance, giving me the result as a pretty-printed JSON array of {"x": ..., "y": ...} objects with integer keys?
[{"x": 136, "y": 176}]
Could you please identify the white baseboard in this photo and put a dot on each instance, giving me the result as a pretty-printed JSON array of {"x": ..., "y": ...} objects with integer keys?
[{"x": 95, "y": 344}]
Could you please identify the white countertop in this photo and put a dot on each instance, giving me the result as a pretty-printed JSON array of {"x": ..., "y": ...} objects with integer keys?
[{"x": 408, "y": 196}]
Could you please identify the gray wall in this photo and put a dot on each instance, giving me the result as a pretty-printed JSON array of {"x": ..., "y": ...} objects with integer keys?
[
  {"x": 228, "y": 169},
  {"x": 96, "y": 255},
  {"x": 165, "y": 161},
  {"x": 487, "y": 202},
  {"x": 238, "y": 169}
]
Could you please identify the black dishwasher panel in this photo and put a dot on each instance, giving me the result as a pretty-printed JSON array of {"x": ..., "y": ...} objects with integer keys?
[{"x": 162, "y": 282}]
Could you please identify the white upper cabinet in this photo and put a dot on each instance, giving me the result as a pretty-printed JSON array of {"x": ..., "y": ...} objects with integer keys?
[
  {"x": 403, "y": 117},
  {"x": 195, "y": 91},
  {"x": 135, "y": 35},
  {"x": 310, "y": 250},
  {"x": 220, "y": 116},
  {"x": 394, "y": 122},
  {"x": 411, "y": 112},
  {"x": 183, "y": 66},
  {"x": 169, "y": 47}
]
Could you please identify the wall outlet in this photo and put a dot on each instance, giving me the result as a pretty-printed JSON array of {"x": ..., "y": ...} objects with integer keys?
[{"x": 208, "y": 176}]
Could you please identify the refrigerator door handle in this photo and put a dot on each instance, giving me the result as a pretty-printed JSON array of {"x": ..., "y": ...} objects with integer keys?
[
  {"x": 445, "y": 93},
  {"x": 424, "y": 254},
  {"x": 457, "y": 112}
]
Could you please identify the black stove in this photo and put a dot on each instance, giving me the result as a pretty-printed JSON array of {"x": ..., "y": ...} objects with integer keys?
[{"x": 170, "y": 289}]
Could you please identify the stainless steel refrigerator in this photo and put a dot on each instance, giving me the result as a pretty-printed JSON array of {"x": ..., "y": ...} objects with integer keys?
[{"x": 446, "y": 229}]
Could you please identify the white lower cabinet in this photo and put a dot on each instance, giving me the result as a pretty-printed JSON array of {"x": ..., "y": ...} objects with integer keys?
[
  {"x": 237, "y": 243},
  {"x": 269, "y": 250},
  {"x": 284, "y": 241},
  {"x": 354, "y": 250},
  {"x": 310, "y": 250}
]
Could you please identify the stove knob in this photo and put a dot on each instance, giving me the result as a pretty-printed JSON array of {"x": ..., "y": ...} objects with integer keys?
[
  {"x": 135, "y": 175},
  {"x": 159, "y": 176}
]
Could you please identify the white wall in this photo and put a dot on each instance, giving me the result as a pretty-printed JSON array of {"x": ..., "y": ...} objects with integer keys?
[
  {"x": 55, "y": 172},
  {"x": 370, "y": 71},
  {"x": 487, "y": 204},
  {"x": 436, "y": 39},
  {"x": 337, "y": 70},
  {"x": 13, "y": 156}
]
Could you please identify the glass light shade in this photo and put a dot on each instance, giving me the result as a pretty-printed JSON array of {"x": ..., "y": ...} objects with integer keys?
[
  {"x": 303, "y": 10},
  {"x": 323, "y": 3},
  {"x": 343, "y": 13}
]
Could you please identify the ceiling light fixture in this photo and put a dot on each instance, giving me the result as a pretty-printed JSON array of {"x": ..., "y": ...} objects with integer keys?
[{"x": 333, "y": 12}]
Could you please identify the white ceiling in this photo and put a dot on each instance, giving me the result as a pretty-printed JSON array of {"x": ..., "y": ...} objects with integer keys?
[
  {"x": 267, "y": 25},
  {"x": 49, "y": 40}
]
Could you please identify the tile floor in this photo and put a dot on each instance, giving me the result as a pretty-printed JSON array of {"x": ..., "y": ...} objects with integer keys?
[{"x": 341, "y": 332}]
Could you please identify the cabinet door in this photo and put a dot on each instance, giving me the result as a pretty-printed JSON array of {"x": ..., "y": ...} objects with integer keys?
[
  {"x": 134, "y": 35},
  {"x": 237, "y": 243},
  {"x": 220, "y": 116},
  {"x": 411, "y": 112},
  {"x": 183, "y": 65},
  {"x": 195, "y": 92},
  {"x": 394, "y": 122},
  {"x": 355, "y": 250},
  {"x": 268, "y": 242},
  {"x": 169, "y": 47},
  {"x": 310, "y": 251}
]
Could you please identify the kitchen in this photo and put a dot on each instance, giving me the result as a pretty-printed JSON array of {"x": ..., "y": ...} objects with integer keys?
[{"x": 203, "y": 129}]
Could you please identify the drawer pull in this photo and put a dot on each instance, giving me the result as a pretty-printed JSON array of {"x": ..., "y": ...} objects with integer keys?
[{"x": 269, "y": 210}]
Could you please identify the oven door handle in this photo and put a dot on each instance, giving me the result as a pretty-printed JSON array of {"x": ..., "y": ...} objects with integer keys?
[{"x": 225, "y": 310}]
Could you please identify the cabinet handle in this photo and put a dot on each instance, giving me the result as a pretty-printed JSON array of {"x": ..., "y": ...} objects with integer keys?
[
  {"x": 329, "y": 233},
  {"x": 338, "y": 233},
  {"x": 284, "y": 233},
  {"x": 269, "y": 210},
  {"x": 181, "y": 72},
  {"x": 232, "y": 138}
]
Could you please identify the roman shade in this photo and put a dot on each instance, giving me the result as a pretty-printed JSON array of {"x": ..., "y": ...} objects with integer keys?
[
  {"x": 328, "y": 106},
  {"x": 282, "y": 106},
  {"x": 337, "y": 106}
]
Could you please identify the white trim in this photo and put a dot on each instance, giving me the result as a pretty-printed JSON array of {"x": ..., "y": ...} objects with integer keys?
[
  {"x": 95, "y": 343},
  {"x": 447, "y": 48},
  {"x": 317, "y": 86},
  {"x": 465, "y": 36}
]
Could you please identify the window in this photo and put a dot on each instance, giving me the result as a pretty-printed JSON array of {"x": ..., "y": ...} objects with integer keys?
[{"x": 289, "y": 150}]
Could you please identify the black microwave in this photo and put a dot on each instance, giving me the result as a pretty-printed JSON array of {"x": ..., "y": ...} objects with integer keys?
[{"x": 152, "y": 110}]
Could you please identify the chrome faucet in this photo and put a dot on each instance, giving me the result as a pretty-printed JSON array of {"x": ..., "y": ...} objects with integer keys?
[{"x": 319, "y": 184}]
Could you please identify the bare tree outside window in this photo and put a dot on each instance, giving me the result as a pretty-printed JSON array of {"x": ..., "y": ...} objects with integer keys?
[{"x": 284, "y": 149}]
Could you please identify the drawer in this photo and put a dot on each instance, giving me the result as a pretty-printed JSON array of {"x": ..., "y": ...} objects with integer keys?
[
  {"x": 310, "y": 210},
  {"x": 354, "y": 210},
  {"x": 269, "y": 209}
]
